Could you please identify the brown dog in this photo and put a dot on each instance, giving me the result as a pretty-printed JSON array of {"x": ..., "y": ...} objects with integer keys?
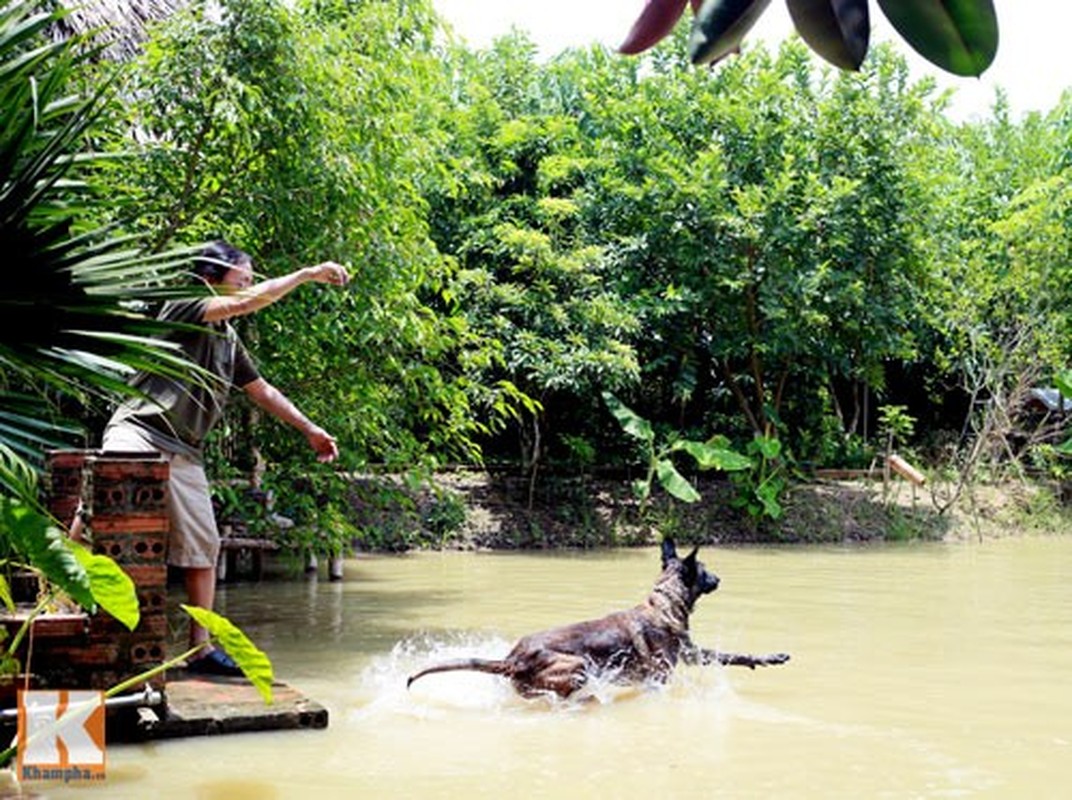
[{"x": 627, "y": 647}]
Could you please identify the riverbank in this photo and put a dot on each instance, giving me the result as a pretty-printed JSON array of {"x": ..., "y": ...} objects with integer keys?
[{"x": 477, "y": 510}]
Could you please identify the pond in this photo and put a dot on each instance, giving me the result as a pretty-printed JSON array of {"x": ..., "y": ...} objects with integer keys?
[{"x": 922, "y": 670}]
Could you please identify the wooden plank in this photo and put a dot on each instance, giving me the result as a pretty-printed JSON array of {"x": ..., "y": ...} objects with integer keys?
[{"x": 244, "y": 543}]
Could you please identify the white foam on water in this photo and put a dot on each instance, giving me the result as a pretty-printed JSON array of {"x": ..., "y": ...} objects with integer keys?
[{"x": 381, "y": 687}]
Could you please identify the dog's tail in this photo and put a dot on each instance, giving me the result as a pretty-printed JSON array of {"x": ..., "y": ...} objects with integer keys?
[{"x": 472, "y": 664}]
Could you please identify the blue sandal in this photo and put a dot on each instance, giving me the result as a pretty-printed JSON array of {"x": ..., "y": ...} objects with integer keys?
[{"x": 215, "y": 662}]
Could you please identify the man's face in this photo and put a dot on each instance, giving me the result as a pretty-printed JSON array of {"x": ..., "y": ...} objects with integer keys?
[{"x": 238, "y": 277}]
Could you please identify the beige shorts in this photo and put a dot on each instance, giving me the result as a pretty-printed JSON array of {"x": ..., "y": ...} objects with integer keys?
[{"x": 193, "y": 540}]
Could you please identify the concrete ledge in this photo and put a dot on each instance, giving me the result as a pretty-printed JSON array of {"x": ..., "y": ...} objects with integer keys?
[{"x": 209, "y": 706}]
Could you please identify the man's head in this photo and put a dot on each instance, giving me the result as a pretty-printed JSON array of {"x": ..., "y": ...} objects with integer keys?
[{"x": 221, "y": 264}]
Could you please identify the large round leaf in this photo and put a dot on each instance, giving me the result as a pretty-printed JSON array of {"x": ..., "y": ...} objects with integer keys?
[
  {"x": 654, "y": 23},
  {"x": 960, "y": 36},
  {"x": 838, "y": 30},
  {"x": 719, "y": 27}
]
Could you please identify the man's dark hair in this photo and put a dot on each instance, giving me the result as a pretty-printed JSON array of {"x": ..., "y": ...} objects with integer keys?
[{"x": 212, "y": 263}]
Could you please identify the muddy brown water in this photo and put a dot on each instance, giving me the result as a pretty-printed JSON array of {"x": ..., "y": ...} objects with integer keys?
[{"x": 918, "y": 671}]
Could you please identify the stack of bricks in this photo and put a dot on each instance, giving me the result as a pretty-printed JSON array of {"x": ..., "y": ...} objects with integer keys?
[{"x": 124, "y": 504}]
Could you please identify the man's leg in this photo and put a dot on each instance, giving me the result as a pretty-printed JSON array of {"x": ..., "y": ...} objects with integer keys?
[
  {"x": 200, "y": 591},
  {"x": 194, "y": 546}
]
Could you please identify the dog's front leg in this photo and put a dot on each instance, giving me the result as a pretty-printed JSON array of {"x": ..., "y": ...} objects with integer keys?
[{"x": 701, "y": 655}]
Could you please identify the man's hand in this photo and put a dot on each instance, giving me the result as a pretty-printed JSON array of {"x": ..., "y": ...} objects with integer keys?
[
  {"x": 328, "y": 272},
  {"x": 324, "y": 444}
]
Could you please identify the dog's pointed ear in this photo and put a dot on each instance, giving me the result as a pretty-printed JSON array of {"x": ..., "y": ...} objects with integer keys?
[
  {"x": 669, "y": 552},
  {"x": 690, "y": 564}
]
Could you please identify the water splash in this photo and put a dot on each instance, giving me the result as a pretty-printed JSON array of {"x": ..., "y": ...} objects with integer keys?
[
  {"x": 381, "y": 686},
  {"x": 383, "y": 682}
]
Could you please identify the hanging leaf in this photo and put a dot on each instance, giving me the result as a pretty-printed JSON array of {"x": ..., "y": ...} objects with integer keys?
[
  {"x": 719, "y": 27},
  {"x": 112, "y": 588},
  {"x": 674, "y": 482},
  {"x": 631, "y": 422},
  {"x": 653, "y": 25},
  {"x": 250, "y": 659},
  {"x": 960, "y": 36},
  {"x": 838, "y": 30}
]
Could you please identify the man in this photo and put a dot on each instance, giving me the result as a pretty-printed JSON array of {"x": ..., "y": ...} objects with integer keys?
[{"x": 173, "y": 417}]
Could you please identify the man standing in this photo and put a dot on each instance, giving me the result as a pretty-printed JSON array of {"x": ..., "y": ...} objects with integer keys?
[{"x": 172, "y": 416}]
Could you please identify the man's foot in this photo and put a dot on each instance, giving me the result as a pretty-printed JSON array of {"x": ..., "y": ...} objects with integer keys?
[{"x": 215, "y": 662}]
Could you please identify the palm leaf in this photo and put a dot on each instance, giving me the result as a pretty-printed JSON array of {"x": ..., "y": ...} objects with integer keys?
[{"x": 76, "y": 322}]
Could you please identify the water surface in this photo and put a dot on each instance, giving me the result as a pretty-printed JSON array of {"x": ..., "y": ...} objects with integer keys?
[{"x": 918, "y": 671}]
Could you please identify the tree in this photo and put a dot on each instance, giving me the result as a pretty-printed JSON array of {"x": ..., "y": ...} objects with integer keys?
[
  {"x": 303, "y": 132},
  {"x": 529, "y": 280}
]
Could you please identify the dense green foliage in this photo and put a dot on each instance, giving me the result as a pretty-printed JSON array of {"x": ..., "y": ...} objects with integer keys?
[{"x": 770, "y": 250}]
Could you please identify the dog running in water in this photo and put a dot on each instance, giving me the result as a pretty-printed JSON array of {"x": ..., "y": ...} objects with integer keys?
[{"x": 635, "y": 646}]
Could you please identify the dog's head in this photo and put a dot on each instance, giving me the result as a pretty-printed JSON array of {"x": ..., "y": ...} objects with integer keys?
[{"x": 693, "y": 575}]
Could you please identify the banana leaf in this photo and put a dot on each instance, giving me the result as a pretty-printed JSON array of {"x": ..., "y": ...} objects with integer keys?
[
  {"x": 711, "y": 456},
  {"x": 674, "y": 482},
  {"x": 631, "y": 422}
]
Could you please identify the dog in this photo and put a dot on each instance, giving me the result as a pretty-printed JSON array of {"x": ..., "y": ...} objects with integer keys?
[{"x": 640, "y": 645}]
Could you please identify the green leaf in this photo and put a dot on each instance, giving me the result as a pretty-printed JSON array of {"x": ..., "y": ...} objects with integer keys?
[
  {"x": 641, "y": 489},
  {"x": 631, "y": 422},
  {"x": 709, "y": 456},
  {"x": 767, "y": 494},
  {"x": 960, "y": 36},
  {"x": 767, "y": 446},
  {"x": 1064, "y": 384},
  {"x": 719, "y": 27},
  {"x": 45, "y": 547},
  {"x": 674, "y": 483},
  {"x": 250, "y": 659},
  {"x": 1065, "y": 448},
  {"x": 112, "y": 588},
  {"x": 838, "y": 30},
  {"x": 5, "y": 595}
]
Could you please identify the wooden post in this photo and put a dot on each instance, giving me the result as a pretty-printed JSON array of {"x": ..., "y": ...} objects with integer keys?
[{"x": 906, "y": 470}]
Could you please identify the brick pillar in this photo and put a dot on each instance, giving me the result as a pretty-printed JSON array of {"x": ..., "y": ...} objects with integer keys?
[
  {"x": 64, "y": 482},
  {"x": 124, "y": 498}
]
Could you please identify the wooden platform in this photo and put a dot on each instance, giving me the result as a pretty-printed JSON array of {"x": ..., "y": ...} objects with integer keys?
[{"x": 209, "y": 706}]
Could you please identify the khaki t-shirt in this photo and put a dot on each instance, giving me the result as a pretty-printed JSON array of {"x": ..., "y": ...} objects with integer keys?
[{"x": 176, "y": 414}]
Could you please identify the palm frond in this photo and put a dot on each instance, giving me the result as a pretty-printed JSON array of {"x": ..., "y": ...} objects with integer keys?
[{"x": 76, "y": 322}]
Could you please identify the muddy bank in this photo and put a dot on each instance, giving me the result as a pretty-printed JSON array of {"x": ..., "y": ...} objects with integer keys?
[{"x": 477, "y": 510}]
